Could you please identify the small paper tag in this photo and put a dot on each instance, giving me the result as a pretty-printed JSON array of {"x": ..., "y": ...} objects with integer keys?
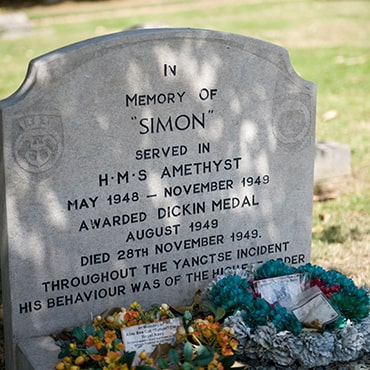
[
  {"x": 282, "y": 290},
  {"x": 316, "y": 312},
  {"x": 146, "y": 337}
]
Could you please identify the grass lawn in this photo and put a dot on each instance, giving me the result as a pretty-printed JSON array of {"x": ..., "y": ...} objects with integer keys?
[{"x": 329, "y": 44}]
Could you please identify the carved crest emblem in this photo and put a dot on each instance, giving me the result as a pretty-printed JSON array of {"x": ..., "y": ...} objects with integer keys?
[
  {"x": 39, "y": 145},
  {"x": 291, "y": 125}
]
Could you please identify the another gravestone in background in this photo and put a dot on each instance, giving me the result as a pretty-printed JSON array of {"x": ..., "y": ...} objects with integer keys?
[
  {"x": 140, "y": 165},
  {"x": 13, "y": 25},
  {"x": 332, "y": 168}
]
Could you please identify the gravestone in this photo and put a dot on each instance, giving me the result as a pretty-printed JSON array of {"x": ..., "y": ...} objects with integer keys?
[
  {"x": 332, "y": 163},
  {"x": 139, "y": 166},
  {"x": 13, "y": 25}
]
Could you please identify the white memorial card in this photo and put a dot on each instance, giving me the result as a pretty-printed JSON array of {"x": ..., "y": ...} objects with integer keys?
[
  {"x": 316, "y": 312},
  {"x": 282, "y": 290},
  {"x": 146, "y": 337}
]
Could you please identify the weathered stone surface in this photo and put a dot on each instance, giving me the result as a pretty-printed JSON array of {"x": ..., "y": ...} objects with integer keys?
[
  {"x": 40, "y": 353},
  {"x": 137, "y": 166}
]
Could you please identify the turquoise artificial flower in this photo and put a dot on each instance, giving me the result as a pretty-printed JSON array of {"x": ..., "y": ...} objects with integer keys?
[
  {"x": 314, "y": 271},
  {"x": 257, "y": 312},
  {"x": 274, "y": 268},
  {"x": 283, "y": 320},
  {"x": 350, "y": 306},
  {"x": 231, "y": 293}
]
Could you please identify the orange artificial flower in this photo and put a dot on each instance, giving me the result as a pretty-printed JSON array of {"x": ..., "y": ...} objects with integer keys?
[
  {"x": 109, "y": 337},
  {"x": 94, "y": 341},
  {"x": 112, "y": 356},
  {"x": 96, "y": 358}
]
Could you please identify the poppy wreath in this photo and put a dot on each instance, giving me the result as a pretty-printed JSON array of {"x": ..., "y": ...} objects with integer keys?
[{"x": 272, "y": 334}]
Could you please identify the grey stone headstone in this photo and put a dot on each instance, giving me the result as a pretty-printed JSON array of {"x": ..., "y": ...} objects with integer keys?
[{"x": 139, "y": 165}]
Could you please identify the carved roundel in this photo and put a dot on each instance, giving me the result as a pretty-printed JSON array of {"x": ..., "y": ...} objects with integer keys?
[
  {"x": 39, "y": 145},
  {"x": 291, "y": 125}
]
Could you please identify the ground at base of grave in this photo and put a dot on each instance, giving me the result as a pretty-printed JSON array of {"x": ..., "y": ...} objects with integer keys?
[{"x": 361, "y": 364}]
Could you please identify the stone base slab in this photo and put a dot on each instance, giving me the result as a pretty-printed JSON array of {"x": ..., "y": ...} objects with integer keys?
[{"x": 40, "y": 353}]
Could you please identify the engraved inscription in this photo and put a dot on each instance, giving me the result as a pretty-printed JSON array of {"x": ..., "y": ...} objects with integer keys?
[{"x": 187, "y": 179}]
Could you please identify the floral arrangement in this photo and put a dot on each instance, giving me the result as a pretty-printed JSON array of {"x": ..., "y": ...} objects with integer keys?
[
  {"x": 235, "y": 292},
  {"x": 272, "y": 334},
  {"x": 229, "y": 322},
  {"x": 200, "y": 343},
  {"x": 99, "y": 345}
]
